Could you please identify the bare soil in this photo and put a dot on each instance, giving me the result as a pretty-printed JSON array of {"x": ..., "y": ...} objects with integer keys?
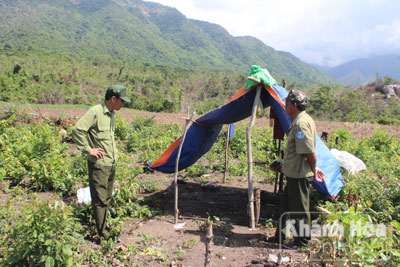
[{"x": 234, "y": 244}]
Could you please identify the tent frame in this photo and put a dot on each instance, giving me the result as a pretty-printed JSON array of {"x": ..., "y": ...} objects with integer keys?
[{"x": 250, "y": 155}]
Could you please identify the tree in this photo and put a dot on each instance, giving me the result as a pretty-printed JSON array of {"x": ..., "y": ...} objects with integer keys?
[{"x": 322, "y": 102}]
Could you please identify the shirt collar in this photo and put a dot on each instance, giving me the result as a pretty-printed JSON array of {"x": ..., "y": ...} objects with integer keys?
[
  {"x": 105, "y": 109},
  {"x": 301, "y": 114}
]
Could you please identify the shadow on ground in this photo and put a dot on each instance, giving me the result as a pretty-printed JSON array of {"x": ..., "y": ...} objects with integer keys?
[
  {"x": 227, "y": 203},
  {"x": 203, "y": 201}
]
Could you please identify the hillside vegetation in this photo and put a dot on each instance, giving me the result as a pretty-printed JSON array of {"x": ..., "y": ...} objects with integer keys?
[
  {"x": 70, "y": 51},
  {"x": 362, "y": 104},
  {"x": 47, "y": 79},
  {"x": 138, "y": 31},
  {"x": 58, "y": 231}
]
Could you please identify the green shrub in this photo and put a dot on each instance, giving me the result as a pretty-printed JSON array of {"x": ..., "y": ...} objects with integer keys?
[
  {"x": 388, "y": 120},
  {"x": 33, "y": 154},
  {"x": 122, "y": 128},
  {"x": 370, "y": 196},
  {"x": 38, "y": 233},
  {"x": 357, "y": 241},
  {"x": 149, "y": 140}
]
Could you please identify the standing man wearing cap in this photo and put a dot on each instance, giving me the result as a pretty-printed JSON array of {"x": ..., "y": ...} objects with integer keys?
[
  {"x": 94, "y": 135},
  {"x": 299, "y": 167}
]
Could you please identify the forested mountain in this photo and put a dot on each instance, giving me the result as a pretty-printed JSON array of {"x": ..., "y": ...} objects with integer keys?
[
  {"x": 134, "y": 30},
  {"x": 360, "y": 71}
]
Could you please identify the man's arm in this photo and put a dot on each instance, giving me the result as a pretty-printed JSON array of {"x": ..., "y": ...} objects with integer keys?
[
  {"x": 80, "y": 138},
  {"x": 312, "y": 160},
  {"x": 80, "y": 134}
]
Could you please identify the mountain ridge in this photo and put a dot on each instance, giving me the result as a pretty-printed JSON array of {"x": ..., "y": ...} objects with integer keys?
[
  {"x": 362, "y": 70},
  {"x": 142, "y": 31}
]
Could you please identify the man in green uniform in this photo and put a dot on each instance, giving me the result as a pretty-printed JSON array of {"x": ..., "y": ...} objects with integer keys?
[
  {"x": 299, "y": 167},
  {"x": 94, "y": 136}
]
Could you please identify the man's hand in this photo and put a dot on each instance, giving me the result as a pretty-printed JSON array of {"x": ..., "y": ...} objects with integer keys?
[
  {"x": 97, "y": 152},
  {"x": 319, "y": 175}
]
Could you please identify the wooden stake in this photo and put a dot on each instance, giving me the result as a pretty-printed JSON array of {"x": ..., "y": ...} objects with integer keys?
[
  {"x": 226, "y": 152},
  {"x": 250, "y": 157},
  {"x": 257, "y": 193},
  {"x": 280, "y": 191},
  {"x": 176, "y": 210},
  {"x": 277, "y": 174},
  {"x": 209, "y": 239}
]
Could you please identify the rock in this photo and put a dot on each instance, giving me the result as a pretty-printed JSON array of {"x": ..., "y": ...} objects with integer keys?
[
  {"x": 391, "y": 90},
  {"x": 397, "y": 89},
  {"x": 179, "y": 226}
]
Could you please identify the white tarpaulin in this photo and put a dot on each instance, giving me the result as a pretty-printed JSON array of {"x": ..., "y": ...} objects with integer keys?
[
  {"x": 348, "y": 161},
  {"x": 84, "y": 195}
]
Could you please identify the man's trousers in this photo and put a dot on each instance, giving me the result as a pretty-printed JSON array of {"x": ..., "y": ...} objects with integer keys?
[
  {"x": 101, "y": 181},
  {"x": 295, "y": 205}
]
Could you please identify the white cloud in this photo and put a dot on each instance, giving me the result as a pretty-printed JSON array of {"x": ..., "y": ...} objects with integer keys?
[
  {"x": 317, "y": 31},
  {"x": 394, "y": 34}
]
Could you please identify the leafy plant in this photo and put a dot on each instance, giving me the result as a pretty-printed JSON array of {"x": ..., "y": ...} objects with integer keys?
[
  {"x": 39, "y": 233},
  {"x": 355, "y": 239}
]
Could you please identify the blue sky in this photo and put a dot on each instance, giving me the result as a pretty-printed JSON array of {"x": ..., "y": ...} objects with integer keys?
[{"x": 325, "y": 32}]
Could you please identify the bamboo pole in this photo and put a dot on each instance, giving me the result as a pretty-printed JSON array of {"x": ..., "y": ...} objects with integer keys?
[
  {"x": 226, "y": 152},
  {"x": 249, "y": 155},
  {"x": 176, "y": 210}
]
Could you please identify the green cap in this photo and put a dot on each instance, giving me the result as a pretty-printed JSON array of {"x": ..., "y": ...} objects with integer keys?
[
  {"x": 120, "y": 91},
  {"x": 297, "y": 96}
]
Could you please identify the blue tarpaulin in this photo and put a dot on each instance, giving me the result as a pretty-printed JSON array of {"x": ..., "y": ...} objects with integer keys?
[{"x": 204, "y": 131}]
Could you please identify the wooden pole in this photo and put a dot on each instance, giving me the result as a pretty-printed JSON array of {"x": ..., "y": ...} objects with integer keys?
[
  {"x": 280, "y": 155},
  {"x": 257, "y": 193},
  {"x": 226, "y": 152},
  {"x": 277, "y": 174},
  {"x": 176, "y": 210},
  {"x": 250, "y": 157},
  {"x": 209, "y": 239},
  {"x": 280, "y": 191}
]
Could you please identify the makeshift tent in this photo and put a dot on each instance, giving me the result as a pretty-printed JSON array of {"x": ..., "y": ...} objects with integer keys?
[{"x": 204, "y": 131}]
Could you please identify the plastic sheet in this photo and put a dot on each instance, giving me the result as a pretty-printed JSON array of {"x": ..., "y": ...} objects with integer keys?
[
  {"x": 84, "y": 195},
  {"x": 348, "y": 161}
]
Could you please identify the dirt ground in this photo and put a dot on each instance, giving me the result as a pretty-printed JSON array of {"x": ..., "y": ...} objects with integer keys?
[{"x": 234, "y": 243}]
